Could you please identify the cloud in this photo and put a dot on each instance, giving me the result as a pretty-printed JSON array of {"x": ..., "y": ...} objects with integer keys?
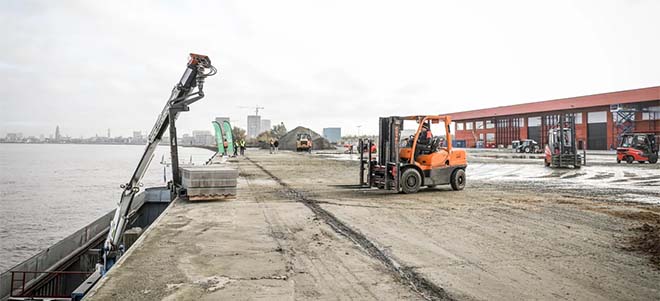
[{"x": 88, "y": 66}]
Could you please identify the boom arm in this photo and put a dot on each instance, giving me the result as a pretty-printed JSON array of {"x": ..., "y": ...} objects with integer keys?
[{"x": 182, "y": 95}]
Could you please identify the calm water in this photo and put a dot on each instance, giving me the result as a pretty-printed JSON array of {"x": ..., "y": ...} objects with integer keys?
[{"x": 48, "y": 191}]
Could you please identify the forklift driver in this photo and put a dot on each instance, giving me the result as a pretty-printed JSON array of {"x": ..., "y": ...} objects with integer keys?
[
  {"x": 425, "y": 135},
  {"x": 425, "y": 141}
]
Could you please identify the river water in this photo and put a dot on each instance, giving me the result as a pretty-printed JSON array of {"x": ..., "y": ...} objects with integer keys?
[{"x": 48, "y": 191}]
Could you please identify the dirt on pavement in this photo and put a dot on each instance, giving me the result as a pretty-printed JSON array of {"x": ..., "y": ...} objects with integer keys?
[{"x": 299, "y": 229}]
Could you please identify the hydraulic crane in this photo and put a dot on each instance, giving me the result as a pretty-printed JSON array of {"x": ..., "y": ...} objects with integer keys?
[{"x": 188, "y": 90}]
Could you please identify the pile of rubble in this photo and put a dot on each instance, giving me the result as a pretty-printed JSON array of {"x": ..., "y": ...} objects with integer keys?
[{"x": 288, "y": 141}]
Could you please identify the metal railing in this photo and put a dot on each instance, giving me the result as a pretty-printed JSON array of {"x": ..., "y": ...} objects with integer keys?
[{"x": 54, "y": 284}]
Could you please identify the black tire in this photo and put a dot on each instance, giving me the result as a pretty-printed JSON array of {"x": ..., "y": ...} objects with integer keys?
[
  {"x": 458, "y": 179},
  {"x": 411, "y": 181},
  {"x": 618, "y": 161},
  {"x": 629, "y": 159},
  {"x": 641, "y": 162},
  {"x": 653, "y": 159}
]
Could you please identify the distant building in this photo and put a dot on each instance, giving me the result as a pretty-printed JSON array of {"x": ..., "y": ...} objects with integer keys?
[
  {"x": 253, "y": 126},
  {"x": 186, "y": 140},
  {"x": 58, "y": 136},
  {"x": 265, "y": 125},
  {"x": 14, "y": 137},
  {"x": 220, "y": 120},
  {"x": 137, "y": 135},
  {"x": 202, "y": 138},
  {"x": 108, "y": 133},
  {"x": 600, "y": 119},
  {"x": 332, "y": 134}
]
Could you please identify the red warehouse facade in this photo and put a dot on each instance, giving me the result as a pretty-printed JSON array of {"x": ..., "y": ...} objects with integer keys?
[{"x": 600, "y": 119}]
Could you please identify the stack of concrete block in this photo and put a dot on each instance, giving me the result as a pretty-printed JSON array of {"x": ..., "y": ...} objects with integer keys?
[{"x": 209, "y": 182}]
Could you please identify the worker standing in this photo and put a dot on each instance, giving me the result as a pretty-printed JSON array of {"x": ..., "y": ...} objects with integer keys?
[
  {"x": 225, "y": 144},
  {"x": 276, "y": 144},
  {"x": 235, "y": 148},
  {"x": 242, "y": 145},
  {"x": 272, "y": 145}
]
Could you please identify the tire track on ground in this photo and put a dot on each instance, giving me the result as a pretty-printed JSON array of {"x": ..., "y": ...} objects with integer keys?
[{"x": 406, "y": 274}]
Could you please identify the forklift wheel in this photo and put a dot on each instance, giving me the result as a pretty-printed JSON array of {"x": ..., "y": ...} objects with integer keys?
[
  {"x": 411, "y": 180},
  {"x": 618, "y": 161},
  {"x": 641, "y": 162},
  {"x": 653, "y": 159},
  {"x": 458, "y": 179},
  {"x": 629, "y": 159}
]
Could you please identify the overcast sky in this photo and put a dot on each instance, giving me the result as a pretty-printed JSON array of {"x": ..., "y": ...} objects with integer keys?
[{"x": 92, "y": 65}]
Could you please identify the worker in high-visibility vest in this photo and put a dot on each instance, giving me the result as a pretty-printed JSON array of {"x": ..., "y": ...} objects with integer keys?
[{"x": 242, "y": 146}]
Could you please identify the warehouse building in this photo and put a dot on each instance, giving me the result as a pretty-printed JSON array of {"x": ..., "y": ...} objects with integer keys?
[{"x": 600, "y": 119}]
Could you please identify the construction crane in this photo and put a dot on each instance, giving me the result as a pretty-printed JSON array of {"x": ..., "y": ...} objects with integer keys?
[
  {"x": 256, "y": 109},
  {"x": 198, "y": 69}
]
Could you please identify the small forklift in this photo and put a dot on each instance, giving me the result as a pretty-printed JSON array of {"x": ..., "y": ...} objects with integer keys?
[
  {"x": 640, "y": 147},
  {"x": 405, "y": 165},
  {"x": 304, "y": 142},
  {"x": 561, "y": 150}
]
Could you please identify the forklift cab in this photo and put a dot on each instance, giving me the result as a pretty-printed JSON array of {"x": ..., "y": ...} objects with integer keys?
[
  {"x": 556, "y": 144},
  {"x": 407, "y": 164},
  {"x": 639, "y": 147}
]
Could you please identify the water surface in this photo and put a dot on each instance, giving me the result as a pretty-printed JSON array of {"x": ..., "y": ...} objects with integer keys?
[{"x": 48, "y": 191}]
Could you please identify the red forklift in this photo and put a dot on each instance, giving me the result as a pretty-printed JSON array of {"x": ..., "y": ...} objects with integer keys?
[
  {"x": 640, "y": 147},
  {"x": 561, "y": 150}
]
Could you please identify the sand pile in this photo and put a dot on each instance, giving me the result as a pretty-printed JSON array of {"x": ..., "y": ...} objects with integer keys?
[{"x": 288, "y": 141}]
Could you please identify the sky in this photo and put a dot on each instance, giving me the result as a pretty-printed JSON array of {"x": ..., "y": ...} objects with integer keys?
[{"x": 92, "y": 65}]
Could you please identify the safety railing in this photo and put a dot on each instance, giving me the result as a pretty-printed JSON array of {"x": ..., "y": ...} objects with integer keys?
[{"x": 54, "y": 284}]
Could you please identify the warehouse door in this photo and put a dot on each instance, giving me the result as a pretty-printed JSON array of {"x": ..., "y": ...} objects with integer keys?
[
  {"x": 597, "y": 130},
  {"x": 534, "y": 129}
]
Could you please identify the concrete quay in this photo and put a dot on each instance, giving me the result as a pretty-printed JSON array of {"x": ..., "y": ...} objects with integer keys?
[{"x": 298, "y": 230}]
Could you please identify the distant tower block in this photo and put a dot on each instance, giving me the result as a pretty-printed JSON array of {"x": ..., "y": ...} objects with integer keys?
[
  {"x": 108, "y": 133},
  {"x": 253, "y": 126},
  {"x": 332, "y": 134},
  {"x": 265, "y": 125},
  {"x": 58, "y": 136}
]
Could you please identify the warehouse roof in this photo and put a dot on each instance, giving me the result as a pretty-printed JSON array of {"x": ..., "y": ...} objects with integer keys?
[{"x": 595, "y": 100}]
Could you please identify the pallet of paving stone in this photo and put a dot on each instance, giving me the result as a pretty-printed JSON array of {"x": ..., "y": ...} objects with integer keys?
[
  {"x": 208, "y": 182},
  {"x": 206, "y": 175}
]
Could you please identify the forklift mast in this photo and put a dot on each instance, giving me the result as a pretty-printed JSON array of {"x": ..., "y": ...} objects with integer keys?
[
  {"x": 561, "y": 150},
  {"x": 183, "y": 94}
]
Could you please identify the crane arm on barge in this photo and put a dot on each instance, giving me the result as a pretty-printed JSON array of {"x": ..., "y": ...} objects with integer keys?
[{"x": 187, "y": 91}]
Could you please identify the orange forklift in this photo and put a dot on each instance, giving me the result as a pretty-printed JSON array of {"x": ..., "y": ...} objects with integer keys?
[{"x": 407, "y": 164}]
